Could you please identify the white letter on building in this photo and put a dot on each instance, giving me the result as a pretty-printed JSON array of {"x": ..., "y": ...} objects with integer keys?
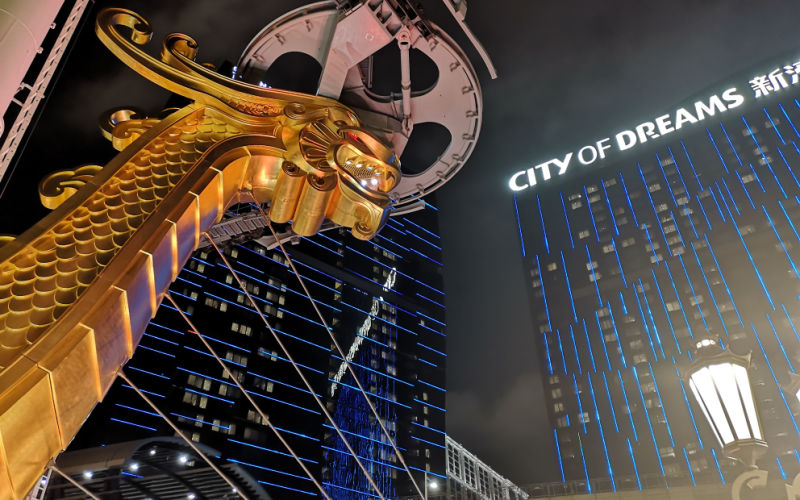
[
  {"x": 594, "y": 155},
  {"x": 512, "y": 183},
  {"x": 714, "y": 105},
  {"x": 602, "y": 146},
  {"x": 645, "y": 130},
  {"x": 733, "y": 99},
  {"x": 664, "y": 125},
  {"x": 562, "y": 164},
  {"x": 682, "y": 116},
  {"x": 626, "y": 140}
]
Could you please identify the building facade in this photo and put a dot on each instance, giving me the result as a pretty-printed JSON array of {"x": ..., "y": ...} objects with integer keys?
[
  {"x": 470, "y": 478},
  {"x": 682, "y": 227},
  {"x": 384, "y": 302}
]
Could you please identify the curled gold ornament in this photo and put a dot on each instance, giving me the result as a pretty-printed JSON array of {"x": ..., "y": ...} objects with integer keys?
[{"x": 58, "y": 186}]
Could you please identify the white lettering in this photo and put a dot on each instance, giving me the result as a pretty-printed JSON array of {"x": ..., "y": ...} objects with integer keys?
[
  {"x": 545, "y": 170},
  {"x": 626, "y": 140},
  {"x": 562, "y": 164},
  {"x": 645, "y": 130},
  {"x": 582, "y": 159},
  {"x": 682, "y": 116},
  {"x": 512, "y": 183},
  {"x": 733, "y": 98},
  {"x": 714, "y": 104},
  {"x": 602, "y": 146},
  {"x": 664, "y": 125}
]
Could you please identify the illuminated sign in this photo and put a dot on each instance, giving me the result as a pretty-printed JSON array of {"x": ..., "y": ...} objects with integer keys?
[{"x": 761, "y": 86}]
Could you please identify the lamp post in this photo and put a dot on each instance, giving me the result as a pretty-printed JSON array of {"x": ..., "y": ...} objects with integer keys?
[
  {"x": 433, "y": 484},
  {"x": 720, "y": 383}
]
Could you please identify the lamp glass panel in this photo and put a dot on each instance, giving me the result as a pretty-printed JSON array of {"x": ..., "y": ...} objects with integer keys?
[
  {"x": 727, "y": 385},
  {"x": 703, "y": 407},
  {"x": 749, "y": 402},
  {"x": 703, "y": 380}
]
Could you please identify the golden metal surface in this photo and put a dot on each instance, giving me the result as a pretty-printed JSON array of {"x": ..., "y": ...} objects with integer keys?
[{"x": 77, "y": 289}]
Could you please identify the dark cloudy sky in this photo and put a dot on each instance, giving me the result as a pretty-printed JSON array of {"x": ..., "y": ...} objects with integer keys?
[{"x": 570, "y": 71}]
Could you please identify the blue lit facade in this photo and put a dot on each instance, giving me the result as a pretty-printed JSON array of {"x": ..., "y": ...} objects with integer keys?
[
  {"x": 690, "y": 235},
  {"x": 385, "y": 302}
]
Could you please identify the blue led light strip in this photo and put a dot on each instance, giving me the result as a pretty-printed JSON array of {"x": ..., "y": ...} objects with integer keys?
[
  {"x": 774, "y": 378},
  {"x": 544, "y": 292},
  {"x": 569, "y": 287},
  {"x": 541, "y": 220},
  {"x": 566, "y": 219},
  {"x": 719, "y": 154},
  {"x": 519, "y": 226},
  {"x": 689, "y": 407},
  {"x": 647, "y": 418},
  {"x": 558, "y": 454},
  {"x": 591, "y": 214},
  {"x": 666, "y": 311},
  {"x": 602, "y": 438},
  {"x": 628, "y": 198}
]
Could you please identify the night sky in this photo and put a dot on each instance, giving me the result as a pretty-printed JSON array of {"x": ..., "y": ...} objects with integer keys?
[{"x": 570, "y": 72}]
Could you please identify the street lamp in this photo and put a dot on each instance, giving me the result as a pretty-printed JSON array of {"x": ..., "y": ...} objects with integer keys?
[
  {"x": 432, "y": 484},
  {"x": 720, "y": 384}
]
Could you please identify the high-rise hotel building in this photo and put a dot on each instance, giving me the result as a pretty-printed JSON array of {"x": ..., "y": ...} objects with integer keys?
[
  {"x": 385, "y": 304},
  {"x": 638, "y": 245}
]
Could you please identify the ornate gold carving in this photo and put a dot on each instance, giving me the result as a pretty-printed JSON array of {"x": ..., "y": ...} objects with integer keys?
[
  {"x": 58, "y": 186},
  {"x": 77, "y": 289}
]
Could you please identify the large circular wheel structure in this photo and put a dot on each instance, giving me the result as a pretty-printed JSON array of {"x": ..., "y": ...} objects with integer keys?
[{"x": 328, "y": 34}]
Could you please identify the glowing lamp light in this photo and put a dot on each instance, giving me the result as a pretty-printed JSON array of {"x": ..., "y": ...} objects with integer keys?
[
  {"x": 87, "y": 474},
  {"x": 133, "y": 466},
  {"x": 721, "y": 386},
  {"x": 183, "y": 459},
  {"x": 434, "y": 485}
]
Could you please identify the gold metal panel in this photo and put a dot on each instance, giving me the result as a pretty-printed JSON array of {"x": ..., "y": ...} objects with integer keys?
[
  {"x": 110, "y": 325},
  {"x": 72, "y": 365},
  {"x": 162, "y": 258},
  {"x": 28, "y": 429}
]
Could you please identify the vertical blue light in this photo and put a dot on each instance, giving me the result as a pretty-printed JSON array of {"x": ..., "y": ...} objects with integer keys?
[
  {"x": 719, "y": 209},
  {"x": 710, "y": 291},
  {"x": 666, "y": 180},
  {"x": 719, "y": 469},
  {"x": 610, "y": 402},
  {"x": 774, "y": 378},
  {"x": 627, "y": 405},
  {"x": 575, "y": 349},
  {"x": 780, "y": 240},
  {"x": 652, "y": 204},
  {"x": 616, "y": 334},
  {"x": 594, "y": 276},
  {"x": 691, "y": 289},
  {"x": 780, "y": 344},
  {"x": 691, "y": 164},
  {"x": 724, "y": 282},
  {"x": 688, "y": 215},
  {"x": 719, "y": 154},
  {"x": 724, "y": 201},
  {"x": 566, "y": 219},
  {"x": 789, "y": 120},
  {"x": 680, "y": 175},
  {"x": 746, "y": 192},
  {"x": 791, "y": 323},
  {"x": 764, "y": 156},
  {"x": 663, "y": 410},
  {"x": 647, "y": 418},
  {"x": 541, "y": 219},
  {"x": 789, "y": 168},
  {"x": 602, "y": 339},
  {"x": 544, "y": 294},
  {"x": 652, "y": 246},
  {"x": 569, "y": 287},
  {"x": 689, "y": 407},
  {"x": 652, "y": 321},
  {"x": 702, "y": 209},
  {"x": 758, "y": 178},
  {"x": 619, "y": 264},
  {"x": 635, "y": 469},
  {"x": 591, "y": 214},
  {"x": 603, "y": 438},
  {"x": 561, "y": 351},
  {"x": 580, "y": 405},
  {"x": 589, "y": 343},
  {"x": 628, "y": 198},
  {"x": 547, "y": 351},
  {"x": 780, "y": 467},
  {"x": 519, "y": 226},
  {"x": 678, "y": 298},
  {"x": 622, "y": 303},
  {"x": 730, "y": 194},
  {"x": 753, "y": 264},
  {"x": 730, "y": 143},
  {"x": 585, "y": 469},
  {"x": 677, "y": 228},
  {"x": 558, "y": 454},
  {"x": 608, "y": 204},
  {"x": 791, "y": 223},
  {"x": 666, "y": 311},
  {"x": 774, "y": 127},
  {"x": 689, "y": 467},
  {"x": 645, "y": 323}
]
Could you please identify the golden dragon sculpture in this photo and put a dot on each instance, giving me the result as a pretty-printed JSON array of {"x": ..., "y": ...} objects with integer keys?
[{"x": 78, "y": 288}]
